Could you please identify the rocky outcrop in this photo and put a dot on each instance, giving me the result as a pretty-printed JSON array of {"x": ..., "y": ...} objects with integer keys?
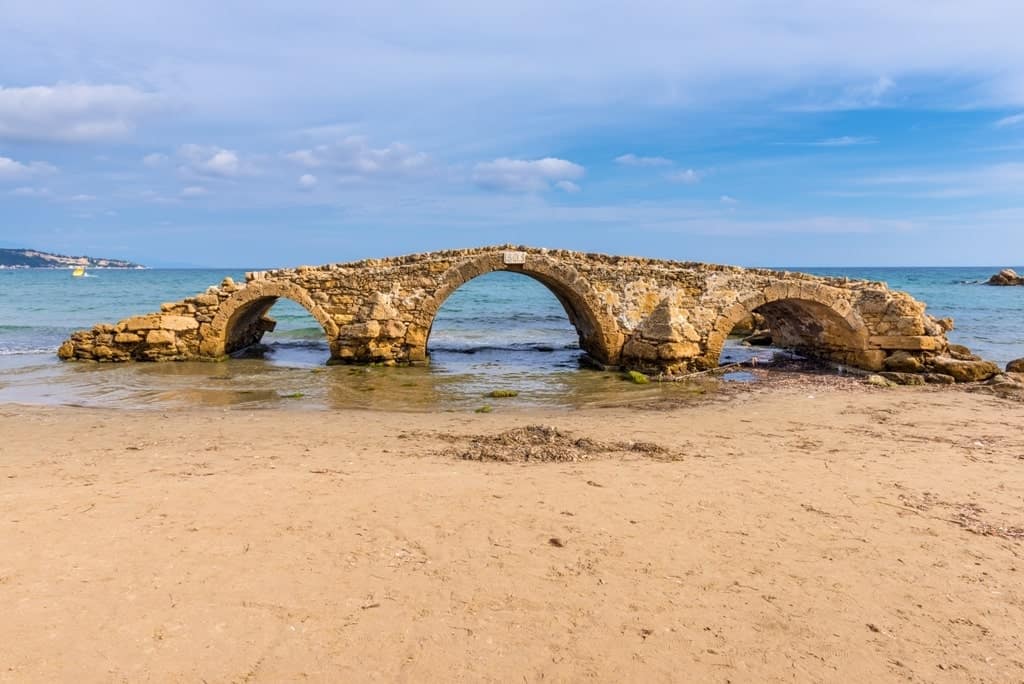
[
  {"x": 644, "y": 314},
  {"x": 1015, "y": 366},
  {"x": 1006, "y": 277}
]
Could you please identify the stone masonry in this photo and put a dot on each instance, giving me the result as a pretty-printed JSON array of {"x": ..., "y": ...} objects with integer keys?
[{"x": 645, "y": 314}]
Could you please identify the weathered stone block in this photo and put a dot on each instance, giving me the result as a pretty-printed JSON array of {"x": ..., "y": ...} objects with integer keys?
[
  {"x": 160, "y": 337},
  {"x": 142, "y": 323},
  {"x": 178, "y": 323},
  {"x": 127, "y": 338},
  {"x": 908, "y": 342}
]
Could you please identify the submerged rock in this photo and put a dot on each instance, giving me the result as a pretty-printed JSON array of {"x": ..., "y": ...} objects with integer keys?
[
  {"x": 1006, "y": 277},
  {"x": 1015, "y": 366}
]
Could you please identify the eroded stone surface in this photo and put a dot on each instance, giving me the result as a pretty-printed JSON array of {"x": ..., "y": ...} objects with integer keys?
[{"x": 647, "y": 314}]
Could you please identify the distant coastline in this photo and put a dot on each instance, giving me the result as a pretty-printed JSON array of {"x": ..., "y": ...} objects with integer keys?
[{"x": 34, "y": 258}]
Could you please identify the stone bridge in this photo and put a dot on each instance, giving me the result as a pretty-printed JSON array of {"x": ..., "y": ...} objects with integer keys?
[{"x": 637, "y": 313}]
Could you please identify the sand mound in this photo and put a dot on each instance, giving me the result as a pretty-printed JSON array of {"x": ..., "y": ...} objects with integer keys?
[{"x": 542, "y": 443}]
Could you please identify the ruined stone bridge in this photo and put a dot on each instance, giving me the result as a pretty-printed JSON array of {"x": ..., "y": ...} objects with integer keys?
[{"x": 630, "y": 312}]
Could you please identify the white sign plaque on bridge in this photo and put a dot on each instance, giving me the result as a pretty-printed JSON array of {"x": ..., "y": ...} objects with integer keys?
[{"x": 514, "y": 257}]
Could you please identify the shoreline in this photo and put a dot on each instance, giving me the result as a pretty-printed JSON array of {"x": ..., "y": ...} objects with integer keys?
[{"x": 807, "y": 530}]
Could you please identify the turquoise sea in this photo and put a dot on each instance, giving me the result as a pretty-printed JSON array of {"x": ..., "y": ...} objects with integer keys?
[{"x": 499, "y": 331}]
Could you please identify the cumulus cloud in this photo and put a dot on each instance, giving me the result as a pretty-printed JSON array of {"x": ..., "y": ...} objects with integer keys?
[
  {"x": 11, "y": 169},
  {"x": 73, "y": 112},
  {"x": 205, "y": 160},
  {"x": 1010, "y": 120},
  {"x": 634, "y": 160},
  {"x": 307, "y": 181},
  {"x": 686, "y": 176},
  {"x": 354, "y": 155},
  {"x": 728, "y": 200},
  {"x": 520, "y": 175}
]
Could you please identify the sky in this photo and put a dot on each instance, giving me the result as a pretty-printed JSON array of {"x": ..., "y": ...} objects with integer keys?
[{"x": 753, "y": 132}]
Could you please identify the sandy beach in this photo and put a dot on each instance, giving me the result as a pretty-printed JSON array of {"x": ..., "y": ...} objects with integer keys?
[{"x": 788, "y": 533}]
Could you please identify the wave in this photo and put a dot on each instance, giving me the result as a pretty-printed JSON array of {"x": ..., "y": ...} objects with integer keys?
[
  {"x": 26, "y": 352},
  {"x": 525, "y": 347}
]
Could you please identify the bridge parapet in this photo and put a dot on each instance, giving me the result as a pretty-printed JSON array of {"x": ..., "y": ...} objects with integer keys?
[{"x": 648, "y": 314}]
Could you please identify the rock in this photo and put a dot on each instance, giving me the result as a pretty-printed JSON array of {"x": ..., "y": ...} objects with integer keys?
[
  {"x": 1006, "y": 277},
  {"x": 66, "y": 350},
  {"x": 904, "y": 378},
  {"x": 964, "y": 371},
  {"x": 938, "y": 378},
  {"x": 959, "y": 351},
  {"x": 903, "y": 362},
  {"x": 1015, "y": 366},
  {"x": 1003, "y": 379},
  {"x": 127, "y": 338},
  {"x": 760, "y": 338},
  {"x": 879, "y": 381}
]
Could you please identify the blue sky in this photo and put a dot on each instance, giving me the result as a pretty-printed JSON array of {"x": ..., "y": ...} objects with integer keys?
[{"x": 752, "y": 132}]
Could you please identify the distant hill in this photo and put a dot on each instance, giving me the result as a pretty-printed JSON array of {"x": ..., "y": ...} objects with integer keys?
[{"x": 33, "y": 258}]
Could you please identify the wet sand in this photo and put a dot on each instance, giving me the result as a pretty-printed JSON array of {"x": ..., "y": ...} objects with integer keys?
[{"x": 796, "y": 532}]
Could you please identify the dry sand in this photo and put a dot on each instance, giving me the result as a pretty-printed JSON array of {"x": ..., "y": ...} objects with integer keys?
[{"x": 804, "y": 533}]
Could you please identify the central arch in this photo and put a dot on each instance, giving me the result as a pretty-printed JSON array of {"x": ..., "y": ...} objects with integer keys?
[
  {"x": 597, "y": 330},
  {"x": 241, "y": 319}
]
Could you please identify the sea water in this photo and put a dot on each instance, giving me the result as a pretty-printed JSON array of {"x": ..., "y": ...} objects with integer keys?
[{"x": 498, "y": 331}]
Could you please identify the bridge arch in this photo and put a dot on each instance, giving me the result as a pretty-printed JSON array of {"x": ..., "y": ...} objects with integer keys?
[
  {"x": 239, "y": 322},
  {"x": 806, "y": 318},
  {"x": 598, "y": 333}
]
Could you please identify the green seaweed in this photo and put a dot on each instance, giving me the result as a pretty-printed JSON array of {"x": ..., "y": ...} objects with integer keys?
[
  {"x": 486, "y": 408},
  {"x": 638, "y": 377},
  {"x": 294, "y": 395},
  {"x": 502, "y": 393}
]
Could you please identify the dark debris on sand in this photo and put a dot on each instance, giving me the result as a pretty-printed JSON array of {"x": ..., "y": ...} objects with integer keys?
[{"x": 545, "y": 444}]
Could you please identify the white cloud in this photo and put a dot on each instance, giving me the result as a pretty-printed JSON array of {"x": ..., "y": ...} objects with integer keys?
[
  {"x": 520, "y": 175},
  {"x": 307, "y": 180},
  {"x": 31, "y": 192},
  {"x": 207, "y": 161},
  {"x": 1010, "y": 120},
  {"x": 687, "y": 177},
  {"x": 73, "y": 112},
  {"x": 868, "y": 95},
  {"x": 845, "y": 141},
  {"x": 82, "y": 198},
  {"x": 194, "y": 191},
  {"x": 354, "y": 155},
  {"x": 155, "y": 160},
  {"x": 11, "y": 169},
  {"x": 633, "y": 160},
  {"x": 992, "y": 179},
  {"x": 567, "y": 186},
  {"x": 726, "y": 199}
]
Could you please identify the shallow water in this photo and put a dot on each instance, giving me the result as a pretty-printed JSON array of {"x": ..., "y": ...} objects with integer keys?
[{"x": 500, "y": 331}]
